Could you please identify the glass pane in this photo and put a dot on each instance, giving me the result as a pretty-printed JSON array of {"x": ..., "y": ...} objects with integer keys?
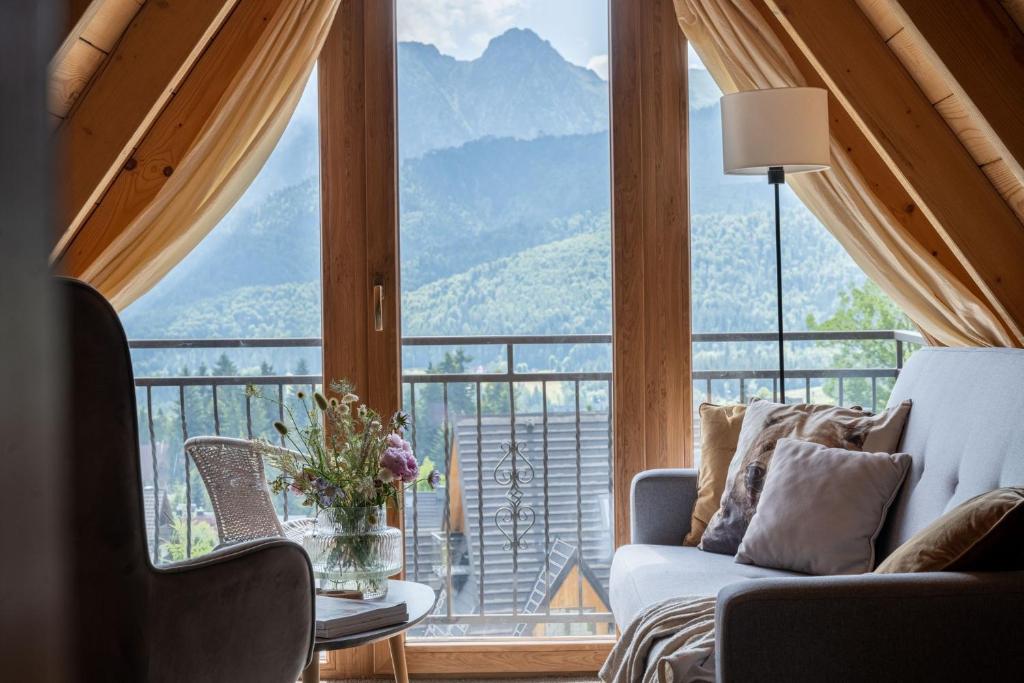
[
  {"x": 504, "y": 205},
  {"x": 253, "y": 280},
  {"x": 734, "y": 288}
]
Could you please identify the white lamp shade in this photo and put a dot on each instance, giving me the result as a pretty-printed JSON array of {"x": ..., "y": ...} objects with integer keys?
[{"x": 786, "y": 127}]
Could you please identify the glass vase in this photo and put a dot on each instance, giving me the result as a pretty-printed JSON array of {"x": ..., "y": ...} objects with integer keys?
[{"x": 353, "y": 548}]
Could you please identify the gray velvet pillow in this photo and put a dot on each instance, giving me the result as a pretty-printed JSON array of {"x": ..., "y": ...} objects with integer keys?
[{"x": 822, "y": 508}]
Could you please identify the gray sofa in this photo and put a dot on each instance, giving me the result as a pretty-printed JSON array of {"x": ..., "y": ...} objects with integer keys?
[{"x": 966, "y": 436}]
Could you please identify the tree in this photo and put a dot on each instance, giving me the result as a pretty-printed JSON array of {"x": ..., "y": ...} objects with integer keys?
[
  {"x": 301, "y": 368},
  {"x": 862, "y": 308},
  {"x": 224, "y": 367}
]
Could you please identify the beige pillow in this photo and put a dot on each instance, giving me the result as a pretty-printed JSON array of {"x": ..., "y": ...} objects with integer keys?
[
  {"x": 981, "y": 534},
  {"x": 822, "y": 509},
  {"x": 719, "y": 432},
  {"x": 763, "y": 425}
]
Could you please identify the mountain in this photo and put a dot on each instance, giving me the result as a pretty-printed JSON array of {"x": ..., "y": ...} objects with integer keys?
[{"x": 520, "y": 87}]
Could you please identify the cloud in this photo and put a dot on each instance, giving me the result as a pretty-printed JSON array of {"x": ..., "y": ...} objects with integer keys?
[
  {"x": 599, "y": 65},
  {"x": 461, "y": 28}
]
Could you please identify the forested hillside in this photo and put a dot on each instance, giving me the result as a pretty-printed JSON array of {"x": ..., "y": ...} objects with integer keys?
[{"x": 504, "y": 207}]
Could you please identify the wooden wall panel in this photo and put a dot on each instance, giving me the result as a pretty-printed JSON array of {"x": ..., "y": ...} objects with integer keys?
[
  {"x": 917, "y": 144},
  {"x": 650, "y": 254}
]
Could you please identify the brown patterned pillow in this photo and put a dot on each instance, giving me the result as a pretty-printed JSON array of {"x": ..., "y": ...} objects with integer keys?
[
  {"x": 764, "y": 424},
  {"x": 719, "y": 433}
]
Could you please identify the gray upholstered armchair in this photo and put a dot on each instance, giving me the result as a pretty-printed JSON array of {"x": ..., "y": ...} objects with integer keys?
[{"x": 244, "y": 612}]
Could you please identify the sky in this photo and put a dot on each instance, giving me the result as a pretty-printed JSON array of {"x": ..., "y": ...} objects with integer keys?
[{"x": 578, "y": 29}]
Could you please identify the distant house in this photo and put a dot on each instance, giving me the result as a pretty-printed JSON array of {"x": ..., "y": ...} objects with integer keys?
[{"x": 566, "y": 503}]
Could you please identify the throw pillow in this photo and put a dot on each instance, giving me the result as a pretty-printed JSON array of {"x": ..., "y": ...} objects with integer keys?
[
  {"x": 763, "y": 425},
  {"x": 719, "y": 432},
  {"x": 822, "y": 508},
  {"x": 981, "y": 534}
]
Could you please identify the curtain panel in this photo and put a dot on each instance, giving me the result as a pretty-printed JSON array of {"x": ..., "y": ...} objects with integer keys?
[
  {"x": 232, "y": 147},
  {"x": 744, "y": 49}
]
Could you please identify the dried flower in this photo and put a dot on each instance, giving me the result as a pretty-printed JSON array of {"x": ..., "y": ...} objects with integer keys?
[
  {"x": 349, "y": 398},
  {"x": 281, "y": 428},
  {"x": 320, "y": 400},
  {"x": 433, "y": 479},
  {"x": 251, "y": 390},
  {"x": 300, "y": 394}
]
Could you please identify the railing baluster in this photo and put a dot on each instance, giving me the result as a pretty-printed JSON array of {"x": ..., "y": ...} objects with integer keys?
[
  {"x": 707, "y": 391},
  {"x": 188, "y": 474},
  {"x": 513, "y": 445},
  {"x": 842, "y": 394},
  {"x": 874, "y": 394},
  {"x": 216, "y": 411},
  {"x": 448, "y": 508},
  {"x": 547, "y": 499},
  {"x": 280, "y": 416},
  {"x": 415, "y": 508},
  {"x": 248, "y": 416},
  {"x": 579, "y": 504},
  {"x": 743, "y": 391},
  {"x": 156, "y": 475},
  {"x": 480, "y": 493},
  {"x": 807, "y": 389}
]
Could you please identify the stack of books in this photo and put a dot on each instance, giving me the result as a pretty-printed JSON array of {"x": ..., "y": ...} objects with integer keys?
[{"x": 337, "y": 617}]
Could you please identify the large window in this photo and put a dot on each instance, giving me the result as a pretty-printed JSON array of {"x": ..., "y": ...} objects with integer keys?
[
  {"x": 504, "y": 207},
  {"x": 217, "y": 318}
]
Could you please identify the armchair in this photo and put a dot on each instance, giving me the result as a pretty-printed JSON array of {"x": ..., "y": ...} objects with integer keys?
[{"x": 244, "y": 612}]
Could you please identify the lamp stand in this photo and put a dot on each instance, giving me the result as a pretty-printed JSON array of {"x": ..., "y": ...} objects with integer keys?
[{"x": 776, "y": 177}]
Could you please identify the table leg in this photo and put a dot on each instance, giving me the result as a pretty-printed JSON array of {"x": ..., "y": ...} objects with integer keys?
[
  {"x": 397, "y": 646},
  {"x": 311, "y": 674}
]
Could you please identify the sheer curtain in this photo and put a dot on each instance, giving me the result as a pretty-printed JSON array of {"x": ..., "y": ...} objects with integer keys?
[
  {"x": 743, "y": 50},
  {"x": 234, "y": 144}
]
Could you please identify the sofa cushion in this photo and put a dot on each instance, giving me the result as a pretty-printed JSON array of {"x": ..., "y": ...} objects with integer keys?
[
  {"x": 644, "y": 574},
  {"x": 983, "y": 534},
  {"x": 719, "y": 433},
  {"x": 822, "y": 508},
  {"x": 763, "y": 425},
  {"x": 965, "y": 433}
]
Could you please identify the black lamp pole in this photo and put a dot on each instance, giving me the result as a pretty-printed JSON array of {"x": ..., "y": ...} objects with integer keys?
[{"x": 776, "y": 177}]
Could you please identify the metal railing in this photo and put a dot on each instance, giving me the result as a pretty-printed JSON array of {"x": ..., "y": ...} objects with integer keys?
[{"x": 525, "y": 447}]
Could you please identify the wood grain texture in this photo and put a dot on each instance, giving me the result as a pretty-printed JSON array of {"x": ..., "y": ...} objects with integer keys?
[
  {"x": 109, "y": 21},
  {"x": 916, "y": 143},
  {"x": 650, "y": 237},
  {"x": 359, "y": 223},
  {"x": 1008, "y": 184},
  {"x": 921, "y": 66},
  {"x": 70, "y": 73},
  {"x": 881, "y": 15},
  {"x": 980, "y": 51},
  {"x": 504, "y": 658},
  {"x": 170, "y": 137},
  {"x": 126, "y": 96},
  {"x": 974, "y": 135}
]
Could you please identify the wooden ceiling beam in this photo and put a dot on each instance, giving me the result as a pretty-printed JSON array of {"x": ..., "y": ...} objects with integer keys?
[
  {"x": 980, "y": 51},
  {"x": 146, "y": 64},
  {"x": 172, "y": 135},
  {"x": 915, "y": 142}
]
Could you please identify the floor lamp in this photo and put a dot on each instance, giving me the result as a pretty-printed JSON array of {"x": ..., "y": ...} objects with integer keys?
[{"x": 775, "y": 132}]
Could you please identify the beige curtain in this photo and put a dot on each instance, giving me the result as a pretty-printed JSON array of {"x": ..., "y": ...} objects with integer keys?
[
  {"x": 232, "y": 148},
  {"x": 742, "y": 52}
]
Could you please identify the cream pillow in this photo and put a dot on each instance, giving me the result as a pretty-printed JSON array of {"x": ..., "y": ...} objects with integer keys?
[
  {"x": 822, "y": 509},
  {"x": 719, "y": 432}
]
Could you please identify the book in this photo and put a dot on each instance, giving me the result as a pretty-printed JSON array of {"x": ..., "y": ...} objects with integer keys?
[{"x": 337, "y": 617}]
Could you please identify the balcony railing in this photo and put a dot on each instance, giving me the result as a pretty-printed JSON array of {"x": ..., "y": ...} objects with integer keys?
[{"x": 518, "y": 539}]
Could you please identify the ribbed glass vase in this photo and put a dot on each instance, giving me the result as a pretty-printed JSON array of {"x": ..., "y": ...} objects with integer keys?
[{"x": 353, "y": 548}]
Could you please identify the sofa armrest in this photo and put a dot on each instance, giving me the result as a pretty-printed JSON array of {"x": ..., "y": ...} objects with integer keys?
[
  {"x": 243, "y": 612},
  {"x": 873, "y": 627},
  {"x": 661, "y": 503}
]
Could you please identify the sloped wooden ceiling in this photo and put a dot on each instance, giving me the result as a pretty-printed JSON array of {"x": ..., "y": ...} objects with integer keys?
[{"x": 123, "y": 60}]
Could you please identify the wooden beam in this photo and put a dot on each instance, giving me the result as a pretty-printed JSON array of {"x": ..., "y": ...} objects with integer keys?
[
  {"x": 882, "y": 182},
  {"x": 916, "y": 143},
  {"x": 359, "y": 222},
  {"x": 148, "y": 63},
  {"x": 980, "y": 50},
  {"x": 653, "y": 408},
  {"x": 171, "y": 136}
]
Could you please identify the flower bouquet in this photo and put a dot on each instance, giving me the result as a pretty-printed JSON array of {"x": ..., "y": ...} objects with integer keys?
[{"x": 347, "y": 463}]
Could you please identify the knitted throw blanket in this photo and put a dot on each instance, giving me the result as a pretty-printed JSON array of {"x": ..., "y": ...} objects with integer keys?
[{"x": 681, "y": 633}]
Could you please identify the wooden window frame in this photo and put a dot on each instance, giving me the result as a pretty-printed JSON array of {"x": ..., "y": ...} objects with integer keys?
[{"x": 652, "y": 402}]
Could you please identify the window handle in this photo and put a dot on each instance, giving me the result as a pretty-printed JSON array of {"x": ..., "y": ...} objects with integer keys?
[{"x": 378, "y": 307}]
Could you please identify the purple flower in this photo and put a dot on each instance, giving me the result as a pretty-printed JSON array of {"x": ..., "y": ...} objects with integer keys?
[
  {"x": 433, "y": 479},
  {"x": 400, "y": 462}
]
